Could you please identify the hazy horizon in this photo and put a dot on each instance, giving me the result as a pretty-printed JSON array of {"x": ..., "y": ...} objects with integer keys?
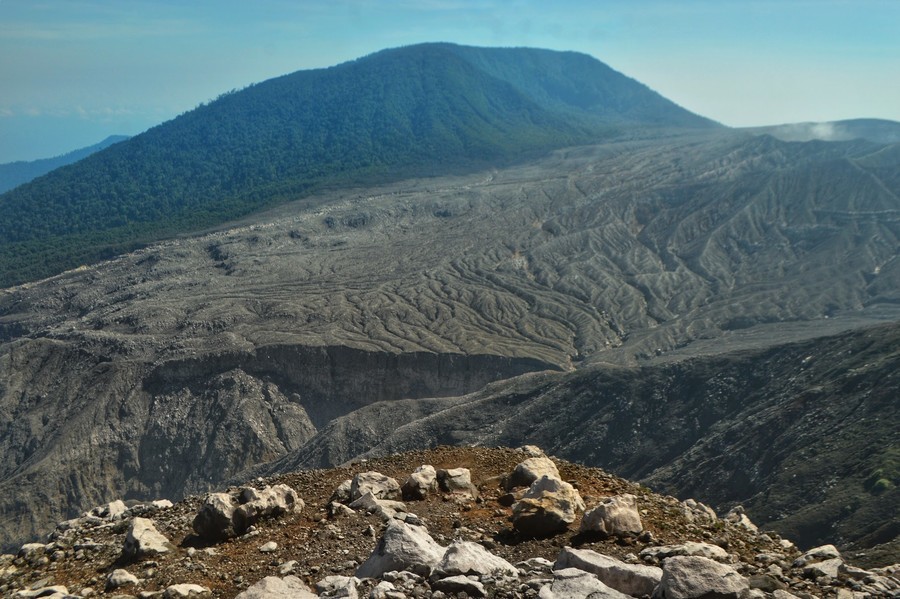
[{"x": 77, "y": 72}]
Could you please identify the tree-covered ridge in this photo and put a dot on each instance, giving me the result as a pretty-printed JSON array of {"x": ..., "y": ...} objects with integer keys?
[{"x": 416, "y": 110}]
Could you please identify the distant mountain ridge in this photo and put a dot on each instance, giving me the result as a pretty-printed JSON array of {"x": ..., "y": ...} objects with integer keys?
[
  {"x": 425, "y": 109},
  {"x": 13, "y": 174}
]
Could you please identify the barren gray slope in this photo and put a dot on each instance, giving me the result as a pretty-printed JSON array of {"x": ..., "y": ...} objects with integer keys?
[{"x": 174, "y": 367}]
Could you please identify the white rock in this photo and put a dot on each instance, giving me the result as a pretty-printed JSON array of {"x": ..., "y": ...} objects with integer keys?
[
  {"x": 268, "y": 502},
  {"x": 180, "y": 591},
  {"x": 690, "y": 548},
  {"x": 213, "y": 521},
  {"x": 119, "y": 578},
  {"x": 572, "y": 583},
  {"x": 381, "y": 486},
  {"x": 466, "y": 557},
  {"x": 530, "y": 470},
  {"x": 828, "y": 567},
  {"x": 692, "y": 577},
  {"x": 51, "y": 592},
  {"x": 631, "y": 579},
  {"x": 532, "y": 451},
  {"x": 737, "y": 516},
  {"x": 548, "y": 507},
  {"x": 343, "y": 587},
  {"x": 401, "y": 547},
  {"x": 272, "y": 587},
  {"x": 457, "y": 480},
  {"x": 421, "y": 483},
  {"x": 382, "y": 590},
  {"x": 817, "y": 554},
  {"x": 614, "y": 516},
  {"x": 269, "y": 547},
  {"x": 144, "y": 540},
  {"x": 457, "y": 584}
]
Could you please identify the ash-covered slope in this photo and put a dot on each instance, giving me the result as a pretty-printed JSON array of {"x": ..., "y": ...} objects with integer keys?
[
  {"x": 239, "y": 345},
  {"x": 429, "y": 109}
]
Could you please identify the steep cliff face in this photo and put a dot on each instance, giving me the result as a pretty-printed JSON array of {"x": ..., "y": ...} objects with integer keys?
[{"x": 78, "y": 426}]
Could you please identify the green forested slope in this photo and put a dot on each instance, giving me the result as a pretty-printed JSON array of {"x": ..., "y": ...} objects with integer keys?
[{"x": 424, "y": 109}]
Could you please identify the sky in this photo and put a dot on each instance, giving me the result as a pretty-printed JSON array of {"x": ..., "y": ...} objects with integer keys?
[{"x": 75, "y": 71}]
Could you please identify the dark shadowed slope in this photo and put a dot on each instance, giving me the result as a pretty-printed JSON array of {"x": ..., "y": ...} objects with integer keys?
[
  {"x": 804, "y": 435},
  {"x": 427, "y": 109}
]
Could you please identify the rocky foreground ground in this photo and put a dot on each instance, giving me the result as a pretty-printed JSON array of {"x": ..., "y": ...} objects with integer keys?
[{"x": 472, "y": 522}]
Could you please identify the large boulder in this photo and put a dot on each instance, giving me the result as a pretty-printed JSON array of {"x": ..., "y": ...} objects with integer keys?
[
  {"x": 572, "y": 583},
  {"x": 614, "y": 516},
  {"x": 269, "y": 502},
  {"x": 530, "y": 470},
  {"x": 143, "y": 540},
  {"x": 272, "y": 587},
  {"x": 457, "y": 480},
  {"x": 466, "y": 557},
  {"x": 213, "y": 521},
  {"x": 692, "y": 577},
  {"x": 631, "y": 579},
  {"x": 547, "y": 508},
  {"x": 402, "y": 547},
  {"x": 385, "y": 508},
  {"x": 817, "y": 554},
  {"x": 421, "y": 483},
  {"x": 381, "y": 486},
  {"x": 223, "y": 515}
]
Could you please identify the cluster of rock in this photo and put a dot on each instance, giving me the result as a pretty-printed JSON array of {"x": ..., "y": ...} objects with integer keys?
[{"x": 408, "y": 562}]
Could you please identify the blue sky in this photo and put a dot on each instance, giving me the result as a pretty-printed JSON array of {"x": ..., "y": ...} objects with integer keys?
[{"x": 74, "y": 71}]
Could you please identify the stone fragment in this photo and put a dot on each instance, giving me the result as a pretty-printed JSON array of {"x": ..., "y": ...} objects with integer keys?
[
  {"x": 343, "y": 587},
  {"x": 51, "y": 592},
  {"x": 694, "y": 511},
  {"x": 421, "y": 483},
  {"x": 693, "y": 577},
  {"x": 402, "y": 547},
  {"x": 272, "y": 587},
  {"x": 532, "y": 451},
  {"x": 548, "y": 507},
  {"x": 631, "y": 579},
  {"x": 342, "y": 492},
  {"x": 384, "y": 590},
  {"x": 457, "y": 480},
  {"x": 385, "y": 508},
  {"x": 614, "y": 516},
  {"x": 381, "y": 486},
  {"x": 572, "y": 583},
  {"x": 143, "y": 540},
  {"x": 185, "y": 590},
  {"x": 269, "y": 547},
  {"x": 110, "y": 511},
  {"x": 119, "y": 578},
  {"x": 287, "y": 567},
  {"x": 828, "y": 567},
  {"x": 737, "y": 516},
  {"x": 817, "y": 554},
  {"x": 264, "y": 503},
  {"x": 466, "y": 557},
  {"x": 213, "y": 521},
  {"x": 530, "y": 470},
  {"x": 690, "y": 548},
  {"x": 460, "y": 584}
]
